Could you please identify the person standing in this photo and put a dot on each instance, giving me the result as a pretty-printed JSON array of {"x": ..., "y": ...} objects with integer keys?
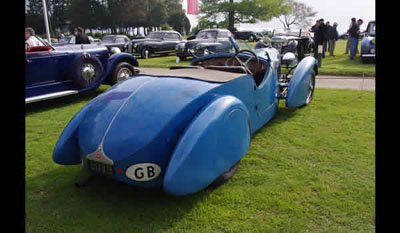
[
  {"x": 319, "y": 39},
  {"x": 333, "y": 37},
  {"x": 326, "y": 38},
  {"x": 81, "y": 37},
  {"x": 354, "y": 34},
  {"x": 353, "y": 21}
]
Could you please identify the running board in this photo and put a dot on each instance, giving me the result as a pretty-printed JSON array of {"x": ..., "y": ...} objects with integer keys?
[{"x": 49, "y": 96}]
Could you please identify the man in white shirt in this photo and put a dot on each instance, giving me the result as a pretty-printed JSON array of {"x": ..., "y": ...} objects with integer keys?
[{"x": 30, "y": 40}]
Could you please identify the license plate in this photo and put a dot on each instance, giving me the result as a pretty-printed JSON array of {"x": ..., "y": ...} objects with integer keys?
[{"x": 100, "y": 168}]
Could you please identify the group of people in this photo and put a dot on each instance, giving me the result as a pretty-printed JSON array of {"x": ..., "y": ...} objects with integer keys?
[
  {"x": 325, "y": 37},
  {"x": 32, "y": 41}
]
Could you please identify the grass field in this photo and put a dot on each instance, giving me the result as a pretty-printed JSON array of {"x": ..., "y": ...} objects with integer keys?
[
  {"x": 308, "y": 170},
  {"x": 340, "y": 64}
]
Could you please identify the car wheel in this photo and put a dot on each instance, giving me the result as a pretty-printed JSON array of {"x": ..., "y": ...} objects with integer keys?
[
  {"x": 87, "y": 70},
  {"x": 251, "y": 38},
  {"x": 311, "y": 88},
  {"x": 144, "y": 51},
  {"x": 225, "y": 176},
  {"x": 182, "y": 58},
  {"x": 121, "y": 72}
]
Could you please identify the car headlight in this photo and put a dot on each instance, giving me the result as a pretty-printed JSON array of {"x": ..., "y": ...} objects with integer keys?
[
  {"x": 114, "y": 50},
  {"x": 373, "y": 41}
]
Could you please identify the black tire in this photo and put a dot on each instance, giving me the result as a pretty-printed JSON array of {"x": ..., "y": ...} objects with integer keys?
[
  {"x": 121, "y": 72},
  {"x": 311, "y": 88},
  {"x": 144, "y": 52},
  {"x": 86, "y": 71},
  {"x": 225, "y": 176},
  {"x": 251, "y": 38}
]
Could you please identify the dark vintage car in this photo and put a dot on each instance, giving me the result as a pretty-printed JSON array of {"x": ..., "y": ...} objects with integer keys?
[
  {"x": 159, "y": 42},
  {"x": 207, "y": 41},
  {"x": 56, "y": 71},
  {"x": 296, "y": 41},
  {"x": 368, "y": 43},
  {"x": 247, "y": 35},
  {"x": 115, "y": 41}
]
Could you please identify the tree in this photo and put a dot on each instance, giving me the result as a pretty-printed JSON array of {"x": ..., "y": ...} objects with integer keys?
[
  {"x": 300, "y": 15},
  {"x": 228, "y": 13}
]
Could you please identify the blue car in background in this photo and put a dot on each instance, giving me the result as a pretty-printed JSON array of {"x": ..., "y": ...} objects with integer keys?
[
  {"x": 187, "y": 127},
  {"x": 56, "y": 71},
  {"x": 368, "y": 44}
]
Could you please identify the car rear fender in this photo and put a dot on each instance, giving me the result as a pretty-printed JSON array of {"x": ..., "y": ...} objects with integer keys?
[
  {"x": 299, "y": 83},
  {"x": 67, "y": 150},
  {"x": 217, "y": 138}
]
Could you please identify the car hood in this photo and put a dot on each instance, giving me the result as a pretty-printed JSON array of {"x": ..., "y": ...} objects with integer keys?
[
  {"x": 142, "y": 40},
  {"x": 80, "y": 47},
  {"x": 140, "y": 115},
  {"x": 194, "y": 42}
]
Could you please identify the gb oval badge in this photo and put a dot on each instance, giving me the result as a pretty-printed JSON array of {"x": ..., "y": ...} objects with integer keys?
[{"x": 143, "y": 171}]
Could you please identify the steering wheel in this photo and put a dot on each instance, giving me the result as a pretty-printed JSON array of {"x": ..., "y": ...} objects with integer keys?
[{"x": 245, "y": 64}]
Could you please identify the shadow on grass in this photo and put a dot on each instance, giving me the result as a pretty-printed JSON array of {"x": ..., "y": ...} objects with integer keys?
[
  {"x": 61, "y": 102},
  {"x": 117, "y": 203}
]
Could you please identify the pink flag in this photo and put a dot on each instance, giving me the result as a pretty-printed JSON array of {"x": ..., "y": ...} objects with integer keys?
[{"x": 192, "y": 8}]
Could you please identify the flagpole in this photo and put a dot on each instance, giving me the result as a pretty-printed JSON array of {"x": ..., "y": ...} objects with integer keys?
[{"x": 46, "y": 22}]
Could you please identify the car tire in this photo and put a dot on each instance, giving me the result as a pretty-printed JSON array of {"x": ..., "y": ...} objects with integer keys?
[
  {"x": 121, "y": 72},
  {"x": 251, "y": 38},
  {"x": 86, "y": 71},
  {"x": 144, "y": 52},
  {"x": 225, "y": 176},
  {"x": 311, "y": 88}
]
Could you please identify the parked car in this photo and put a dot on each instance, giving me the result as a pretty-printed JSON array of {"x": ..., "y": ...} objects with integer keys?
[
  {"x": 115, "y": 41},
  {"x": 368, "y": 43},
  {"x": 296, "y": 41},
  {"x": 52, "y": 72},
  {"x": 193, "y": 36},
  {"x": 185, "y": 128},
  {"x": 247, "y": 35},
  {"x": 208, "y": 41},
  {"x": 71, "y": 40},
  {"x": 159, "y": 42}
]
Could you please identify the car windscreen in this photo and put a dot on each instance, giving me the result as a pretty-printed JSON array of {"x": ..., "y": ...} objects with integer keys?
[
  {"x": 371, "y": 29},
  {"x": 155, "y": 35},
  {"x": 108, "y": 39},
  {"x": 65, "y": 39},
  {"x": 207, "y": 35}
]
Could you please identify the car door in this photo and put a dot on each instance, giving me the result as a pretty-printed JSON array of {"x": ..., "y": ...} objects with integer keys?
[
  {"x": 170, "y": 41},
  {"x": 45, "y": 72}
]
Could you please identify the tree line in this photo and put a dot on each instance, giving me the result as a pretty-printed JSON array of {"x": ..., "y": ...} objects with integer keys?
[{"x": 119, "y": 16}]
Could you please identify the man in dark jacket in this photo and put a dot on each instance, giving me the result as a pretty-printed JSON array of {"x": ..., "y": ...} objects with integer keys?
[
  {"x": 319, "y": 38},
  {"x": 81, "y": 37},
  {"x": 333, "y": 37},
  {"x": 354, "y": 34}
]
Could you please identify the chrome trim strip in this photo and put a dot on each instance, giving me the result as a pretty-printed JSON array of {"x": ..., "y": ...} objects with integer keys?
[{"x": 49, "y": 96}]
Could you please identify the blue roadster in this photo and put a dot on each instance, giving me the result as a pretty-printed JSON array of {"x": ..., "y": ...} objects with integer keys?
[
  {"x": 187, "y": 127},
  {"x": 55, "y": 71}
]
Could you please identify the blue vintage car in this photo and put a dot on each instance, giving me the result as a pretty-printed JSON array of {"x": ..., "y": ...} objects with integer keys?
[
  {"x": 368, "y": 43},
  {"x": 55, "y": 71},
  {"x": 187, "y": 127}
]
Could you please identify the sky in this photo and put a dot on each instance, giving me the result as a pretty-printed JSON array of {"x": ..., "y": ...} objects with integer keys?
[{"x": 340, "y": 11}]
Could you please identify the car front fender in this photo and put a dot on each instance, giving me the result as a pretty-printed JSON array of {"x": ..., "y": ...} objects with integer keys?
[
  {"x": 114, "y": 59},
  {"x": 299, "y": 84},
  {"x": 215, "y": 140}
]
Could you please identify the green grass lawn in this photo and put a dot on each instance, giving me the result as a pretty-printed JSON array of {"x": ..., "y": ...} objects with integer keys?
[
  {"x": 340, "y": 64},
  {"x": 308, "y": 170}
]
